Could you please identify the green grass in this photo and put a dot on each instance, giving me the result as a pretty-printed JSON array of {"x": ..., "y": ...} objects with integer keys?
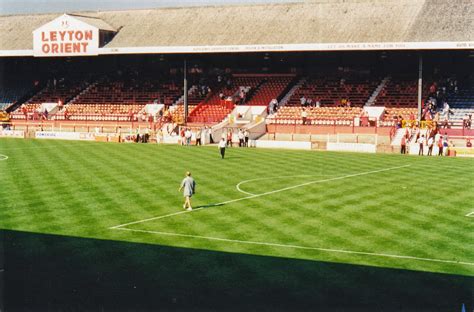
[{"x": 80, "y": 190}]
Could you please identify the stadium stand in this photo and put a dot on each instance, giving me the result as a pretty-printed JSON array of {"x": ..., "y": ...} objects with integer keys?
[
  {"x": 462, "y": 106},
  {"x": 316, "y": 115},
  {"x": 331, "y": 90},
  {"x": 11, "y": 92},
  {"x": 399, "y": 91},
  {"x": 221, "y": 102},
  {"x": 120, "y": 99},
  {"x": 270, "y": 88},
  {"x": 63, "y": 90}
]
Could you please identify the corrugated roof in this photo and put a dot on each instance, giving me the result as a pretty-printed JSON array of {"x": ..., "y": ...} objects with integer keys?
[
  {"x": 94, "y": 21},
  {"x": 317, "y": 21}
]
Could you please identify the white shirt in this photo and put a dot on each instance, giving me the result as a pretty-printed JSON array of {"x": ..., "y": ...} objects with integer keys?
[{"x": 222, "y": 144}]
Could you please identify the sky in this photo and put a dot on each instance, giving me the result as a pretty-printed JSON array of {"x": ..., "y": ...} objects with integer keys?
[{"x": 8, "y": 7}]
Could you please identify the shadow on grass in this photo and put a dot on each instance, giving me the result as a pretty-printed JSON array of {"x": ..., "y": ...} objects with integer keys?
[
  {"x": 51, "y": 273},
  {"x": 208, "y": 206}
]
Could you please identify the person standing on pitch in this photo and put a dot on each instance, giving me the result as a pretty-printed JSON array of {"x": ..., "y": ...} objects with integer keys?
[
  {"x": 189, "y": 186},
  {"x": 222, "y": 145}
]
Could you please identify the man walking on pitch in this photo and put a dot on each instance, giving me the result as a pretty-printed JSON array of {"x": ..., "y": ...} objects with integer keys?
[
  {"x": 222, "y": 145},
  {"x": 189, "y": 185}
]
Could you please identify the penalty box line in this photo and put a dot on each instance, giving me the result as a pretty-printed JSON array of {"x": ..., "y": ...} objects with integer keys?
[
  {"x": 259, "y": 195},
  {"x": 329, "y": 250}
]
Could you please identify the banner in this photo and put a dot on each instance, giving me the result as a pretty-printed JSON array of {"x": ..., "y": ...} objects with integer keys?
[
  {"x": 80, "y": 136},
  {"x": 12, "y": 134},
  {"x": 66, "y": 36}
]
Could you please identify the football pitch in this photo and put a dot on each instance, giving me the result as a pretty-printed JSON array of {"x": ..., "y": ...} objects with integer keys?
[{"x": 270, "y": 229}]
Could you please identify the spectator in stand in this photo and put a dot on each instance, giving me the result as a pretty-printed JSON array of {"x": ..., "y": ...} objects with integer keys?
[
  {"x": 467, "y": 121},
  {"x": 272, "y": 106},
  {"x": 446, "y": 122},
  {"x": 412, "y": 118},
  {"x": 303, "y": 101},
  {"x": 468, "y": 143},
  {"x": 433, "y": 89},
  {"x": 446, "y": 109},
  {"x": 309, "y": 102},
  {"x": 24, "y": 111},
  {"x": 421, "y": 141},
  {"x": 304, "y": 116},
  {"x": 343, "y": 102},
  {"x": 318, "y": 102},
  {"x": 242, "y": 95}
]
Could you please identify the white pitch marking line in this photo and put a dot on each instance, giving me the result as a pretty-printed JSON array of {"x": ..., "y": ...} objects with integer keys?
[
  {"x": 301, "y": 247},
  {"x": 3, "y": 157},
  {"x": 470, "y": 214},
  {"x": 267, "y": 178},
  {"x": 262, "y": 194}
]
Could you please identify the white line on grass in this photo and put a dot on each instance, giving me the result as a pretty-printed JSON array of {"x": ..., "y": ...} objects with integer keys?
[
  {"x": 267, "y": 178},
  {"x": 470, "y": 214},
  {"x": 259, "y": 195},
  {"x": 352, "y": 252},
  {"x": 3, "y": 157}
]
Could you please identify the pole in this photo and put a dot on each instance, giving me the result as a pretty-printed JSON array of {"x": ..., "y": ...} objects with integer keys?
[
  {"x": 185, "y": 90},
  {"x": 420, "y": 83}
]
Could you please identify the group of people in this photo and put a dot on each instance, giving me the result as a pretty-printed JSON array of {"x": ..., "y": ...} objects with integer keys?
[
  {"x": 304, "y": 101},
  {"x": 273, "y": 106},
  {"x": 242, "y": 135},
  {"x": 432, "y": 137}
]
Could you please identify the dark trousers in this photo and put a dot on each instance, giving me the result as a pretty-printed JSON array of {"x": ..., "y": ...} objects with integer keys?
[
  {"x": 430, "y": 150},
  {"x": 421, "y": 150},
  {"x": 246, "y": 141},
  {"x": 403, "y": 150},
  {"x": 440, "y": 153},
  {"x": 198, "y": 141},
  {"x": 222, "y": 152}
]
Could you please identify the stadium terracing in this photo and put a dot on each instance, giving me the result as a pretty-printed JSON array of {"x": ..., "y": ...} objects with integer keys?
[{"x": 128, "y": 68}]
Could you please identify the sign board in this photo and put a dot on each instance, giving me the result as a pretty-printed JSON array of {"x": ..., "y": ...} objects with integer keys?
[
  {"x": 66, "y": 36},
  {"x": 12, "y": 134},
  {"x": 352, "y": 147},
  {"x": 283, "y": 144},
  {"x": 80, "y": 136}
]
